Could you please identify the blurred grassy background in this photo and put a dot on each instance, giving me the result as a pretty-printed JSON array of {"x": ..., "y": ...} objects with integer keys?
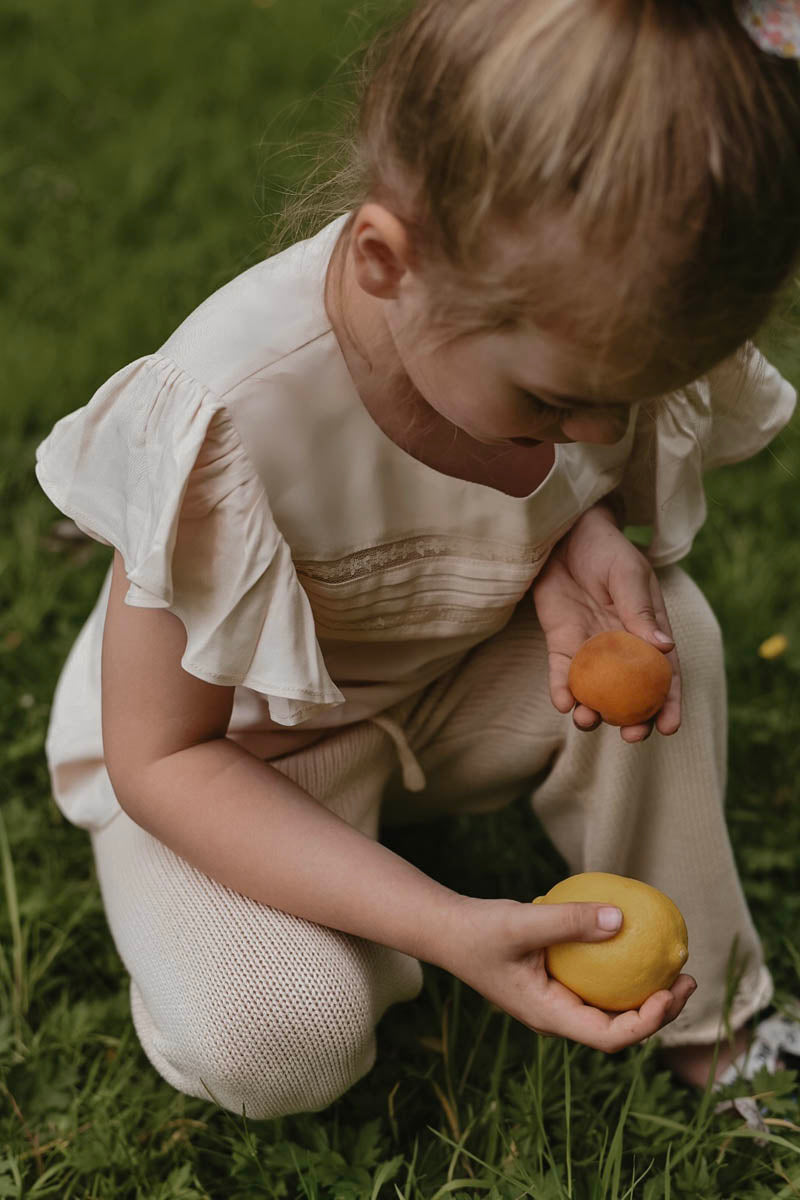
[{"x": 144, "y": 155}]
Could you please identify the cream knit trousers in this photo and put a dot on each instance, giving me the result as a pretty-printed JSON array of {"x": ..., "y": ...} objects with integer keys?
[{"x": 257, "y": 1008}]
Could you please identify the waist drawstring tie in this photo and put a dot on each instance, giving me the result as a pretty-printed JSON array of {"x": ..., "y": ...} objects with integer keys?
[{"x": 413, "y": 775}]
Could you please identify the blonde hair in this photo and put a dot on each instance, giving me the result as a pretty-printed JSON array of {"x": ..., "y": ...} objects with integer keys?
[{"x": 644, "y": 154}]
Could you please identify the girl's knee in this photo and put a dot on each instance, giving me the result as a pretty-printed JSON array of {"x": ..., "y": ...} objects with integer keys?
[
  {"x": 288, "y": 1034},
  {"x": 268, "y": 1055},
  {"x": 293, "y": 1061}
]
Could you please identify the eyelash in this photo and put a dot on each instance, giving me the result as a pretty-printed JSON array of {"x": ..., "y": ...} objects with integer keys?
[{"x": 543, "y": 407}]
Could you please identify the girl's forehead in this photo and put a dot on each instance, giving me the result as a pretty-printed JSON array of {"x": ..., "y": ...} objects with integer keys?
[{"x": 575, "y": 332}]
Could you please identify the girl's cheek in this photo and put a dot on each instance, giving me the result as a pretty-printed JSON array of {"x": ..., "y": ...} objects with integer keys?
[
  {"x": 544, "y": 426},
  {"x": 603, "y": 431}
]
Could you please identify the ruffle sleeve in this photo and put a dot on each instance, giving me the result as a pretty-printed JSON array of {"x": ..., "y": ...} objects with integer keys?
[
  {"x": 728, "y": 415},
  {"x": 154, "y": 466}
]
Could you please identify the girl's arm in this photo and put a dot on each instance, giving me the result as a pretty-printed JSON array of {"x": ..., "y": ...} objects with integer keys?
[
  {"x": 233, "y": 815},
  {"x": 246, "y": 825}
]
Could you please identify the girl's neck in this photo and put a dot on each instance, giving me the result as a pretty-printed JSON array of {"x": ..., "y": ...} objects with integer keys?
[{"x": 359, "y": 322}]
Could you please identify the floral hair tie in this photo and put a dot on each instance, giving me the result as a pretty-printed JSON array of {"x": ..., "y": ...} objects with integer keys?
[{"x": 774, "y": 25}]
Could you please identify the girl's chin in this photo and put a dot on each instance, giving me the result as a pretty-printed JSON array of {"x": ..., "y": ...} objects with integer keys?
[{"x": 525, "y": 441}]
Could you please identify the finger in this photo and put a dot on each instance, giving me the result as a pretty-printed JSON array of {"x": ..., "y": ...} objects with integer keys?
[
  {"x": 585, "y": 718},
  {"x": 558, "y": 668},
  {"x": 611, "y": 1033},
  {"x": 668, "y": 720},
  {"x": 631, "y": 590},
  {"x": 656, "y": 1012},
  {"x": 568, "y": 1016},
  {"x": 548, "y": 924},
  {"x": 683, "y": 987},
  {"x": 628, "y": 1028},
  {"x": 604, "y": 1031},
  {"x": 636, "y": 733}
]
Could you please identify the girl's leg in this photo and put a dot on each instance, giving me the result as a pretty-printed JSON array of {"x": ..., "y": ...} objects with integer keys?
[
  {"x": 233, "y": 999},
  {"x": 653, "y": 810}
]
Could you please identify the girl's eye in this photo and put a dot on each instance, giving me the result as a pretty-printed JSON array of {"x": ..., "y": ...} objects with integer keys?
[
  {"x": 536, "y": 402},
  {"x": 541, "y": 406}
]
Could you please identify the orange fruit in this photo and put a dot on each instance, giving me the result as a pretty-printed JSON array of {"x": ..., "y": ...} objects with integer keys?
[{"x": 620, "y": 676}]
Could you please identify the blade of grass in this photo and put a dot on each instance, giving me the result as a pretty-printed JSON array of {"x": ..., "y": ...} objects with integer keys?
[
  {"x": 537, "y": 1093},
  {"x": 493, "y": 1099},
  {"x": 462, "y": 1138},
  {"x": 791, "y": 1188},
  {"x": 500, "y": 1060},
  {"x": 665, "y": 1122},
  {"x": 456, "y": 1184},
  {"x": 411, "y": 1174},
  {"x": 486, "y": 1016},
  {"x": 612, "y": 1168},
  {"x": 300, "y": 1176},
  {"x": 794, "y": 953},
  {"x": 755, "y": 1135},
  {"x": 384, "y": 1173},
  {"x": 596, "y": 1182},
  {"x": 704, "y": 1113},
  {"x": 783, "y": 1124},
  {"x": 637, "y": 1179},
  {"x": 18, "y": 990},
  {"x": 469, "y": 1154},
  {"x": 449, "y": 1034},
  {"x": 568, "y": 1117},
  {"x": 668, "y": 1174},
  {"x": 40, "y": 968}
]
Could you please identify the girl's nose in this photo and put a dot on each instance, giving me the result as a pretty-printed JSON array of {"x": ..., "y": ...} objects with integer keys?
[{"x": 603, "y": 428}]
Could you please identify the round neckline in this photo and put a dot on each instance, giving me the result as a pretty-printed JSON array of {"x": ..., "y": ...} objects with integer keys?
[{"x": 379, "y": 435}]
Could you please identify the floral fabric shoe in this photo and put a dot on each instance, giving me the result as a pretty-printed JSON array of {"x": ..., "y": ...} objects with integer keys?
[{"x": 776, "y": 1041}]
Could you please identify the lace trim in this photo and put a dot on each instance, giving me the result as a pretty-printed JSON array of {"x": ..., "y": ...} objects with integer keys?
[{"x": 417, "y": 549}]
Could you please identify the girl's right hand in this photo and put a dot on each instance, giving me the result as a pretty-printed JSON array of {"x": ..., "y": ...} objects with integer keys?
[{"x": 497, "y": 947}]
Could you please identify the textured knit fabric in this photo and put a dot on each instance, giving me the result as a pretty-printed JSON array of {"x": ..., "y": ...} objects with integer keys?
[
  {"x": 239, "y": 1002},
  {"x": 260, "y": 1009},
  {"x": 317, "y": 567}
]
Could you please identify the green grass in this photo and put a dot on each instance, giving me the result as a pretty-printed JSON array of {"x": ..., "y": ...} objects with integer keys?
[{"x": 144, "y": 154}]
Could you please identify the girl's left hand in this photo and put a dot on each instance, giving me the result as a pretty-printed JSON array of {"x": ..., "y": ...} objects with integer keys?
[{"x": 595, "y": 580}]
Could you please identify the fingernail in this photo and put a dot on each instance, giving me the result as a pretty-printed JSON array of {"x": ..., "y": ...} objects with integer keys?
[
  {"x": 664, "y": 638},
  {"x": 609, "y": 918}
]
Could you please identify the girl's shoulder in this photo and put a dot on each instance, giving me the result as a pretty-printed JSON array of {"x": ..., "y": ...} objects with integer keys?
[
  {"x": 733, "y": 411},
  {"x": 258, "y": 318},
  {"x": 728, "y": 415}
]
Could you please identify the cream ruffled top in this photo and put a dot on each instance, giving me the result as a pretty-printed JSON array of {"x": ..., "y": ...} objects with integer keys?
[{"x": 317, "y": 566}]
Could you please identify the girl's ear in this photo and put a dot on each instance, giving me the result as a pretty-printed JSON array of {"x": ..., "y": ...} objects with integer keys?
[{"x": 381, "y": 251}]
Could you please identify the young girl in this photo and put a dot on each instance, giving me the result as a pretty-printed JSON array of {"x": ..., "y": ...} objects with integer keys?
[{"x": 365, "y": 504}]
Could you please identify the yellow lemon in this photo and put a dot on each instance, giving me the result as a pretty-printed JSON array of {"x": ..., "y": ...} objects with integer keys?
[{"x": 646, "y": 955}]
